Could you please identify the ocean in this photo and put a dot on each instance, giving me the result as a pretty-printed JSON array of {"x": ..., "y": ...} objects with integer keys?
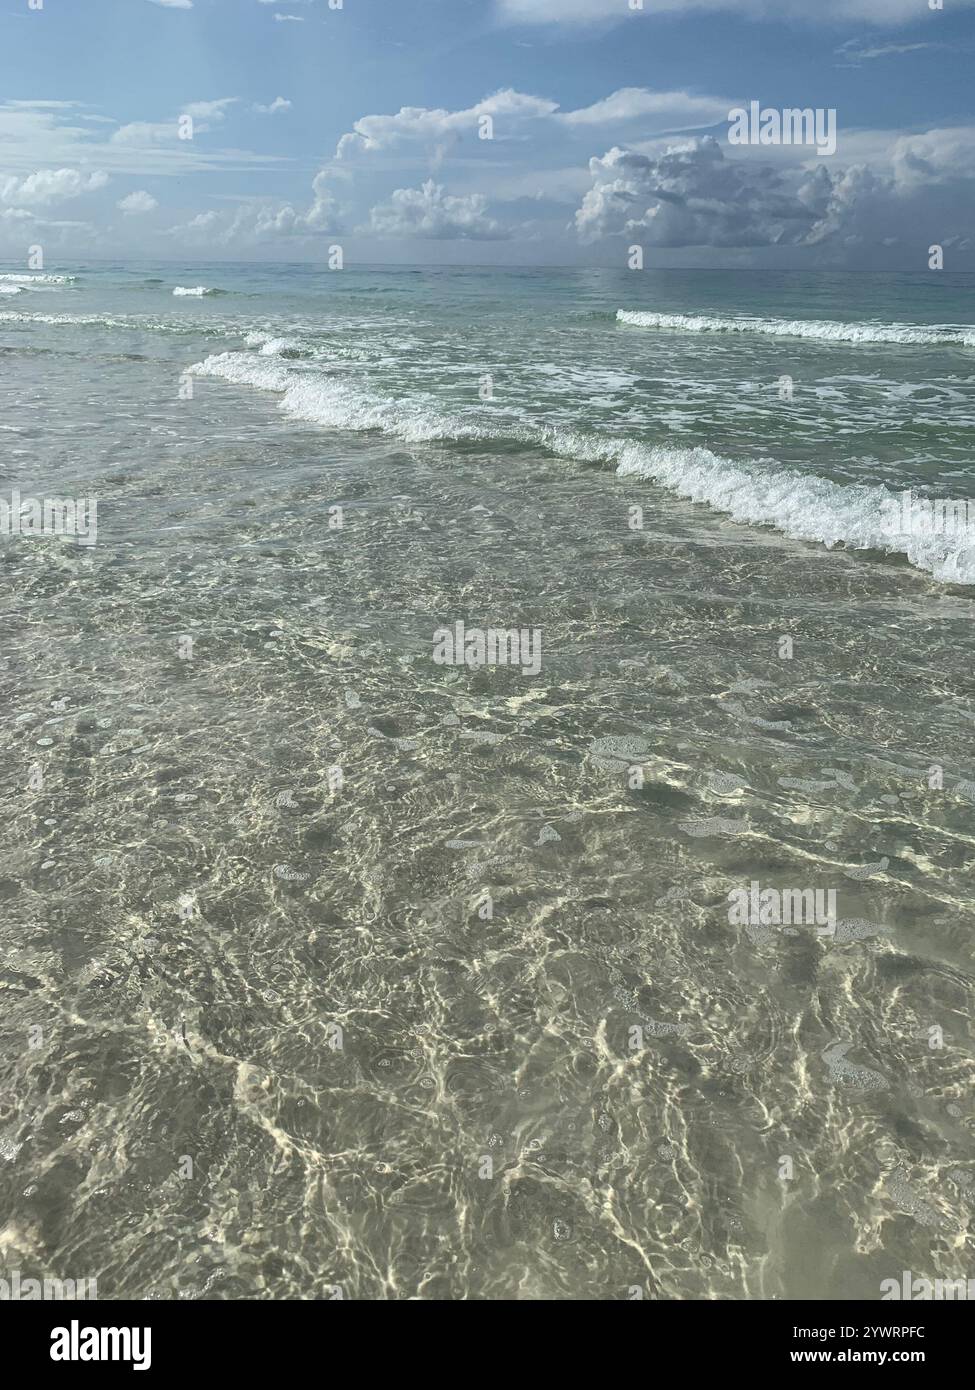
[{"x": 343, "y": 956}]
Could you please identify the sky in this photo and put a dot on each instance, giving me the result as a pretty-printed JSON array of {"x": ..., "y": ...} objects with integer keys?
[{"x": 486, "y": 131}]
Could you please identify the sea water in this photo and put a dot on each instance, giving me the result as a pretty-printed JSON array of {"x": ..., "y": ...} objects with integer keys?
[{"x": 332, "y": 969}]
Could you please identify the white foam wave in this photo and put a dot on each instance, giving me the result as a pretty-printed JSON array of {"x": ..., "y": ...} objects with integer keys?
[
  {"x": 93, "y": 321},
  {"x": 825, "y": 330},
  {"x": 33, "y": 278},
  {"x": 801, "y": 506},
  {"x": 11, "y": 289},
  {"x": 270, "y": 346},
  {"x": 337, "y": 403},
  {"x": 194, "y": 292}
]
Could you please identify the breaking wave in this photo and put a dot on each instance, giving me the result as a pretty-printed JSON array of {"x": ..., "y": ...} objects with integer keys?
[
  {"x": 825, "y": 330},
  {"x": 33, "y": 278},
  {"x": 105, "y": 321},
  {"x": 801, "y": 506}
]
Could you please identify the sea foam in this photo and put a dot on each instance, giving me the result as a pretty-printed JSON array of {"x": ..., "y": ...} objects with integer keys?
[
  {"x": 802, "y": 506},
  {"x": 270, "y": 346},
  {"x": 133, "y": 322},
  {"x": 825, "y": 330},
  {"x": 33, "y": 278}
]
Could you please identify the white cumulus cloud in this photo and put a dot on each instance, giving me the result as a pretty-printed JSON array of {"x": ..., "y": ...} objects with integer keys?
[
  {"x": 257, "y": 220},
  {"x": 137, "y": 203},
  {"x": 695, "y": 193},
  {"x": 436, "y": 126},
  {"x": 513, "y": 113},
  {"x": 429, "y": 211},
  {"x": 49, "y": 186}
]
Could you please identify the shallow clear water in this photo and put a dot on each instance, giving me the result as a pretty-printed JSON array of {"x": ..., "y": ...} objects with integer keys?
[{"x": 366, "y": 938}]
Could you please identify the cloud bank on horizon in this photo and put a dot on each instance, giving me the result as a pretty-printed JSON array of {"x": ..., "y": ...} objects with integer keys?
[
  {"x": 351, "y": 124},
  {"x": 804, "y": 11}
]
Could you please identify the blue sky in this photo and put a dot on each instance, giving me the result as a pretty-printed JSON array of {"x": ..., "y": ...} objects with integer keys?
[{"x": 363, "y": 125}]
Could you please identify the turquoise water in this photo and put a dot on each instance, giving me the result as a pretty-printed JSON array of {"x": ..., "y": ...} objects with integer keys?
[
  {"x": 756, "y": 369},
  {"x": 364, "y": 937}
]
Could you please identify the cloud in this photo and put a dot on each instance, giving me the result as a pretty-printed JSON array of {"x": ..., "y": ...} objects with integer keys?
[
  {"x": 828, "y": 11},
  {"x": 49, "y": 186},
  {"x": 430, "y": 212},
  {"x": 534, "y": 181},
  {"x": 634, "y": 103},
  {"x": 325, "y": 211},
  {"x": 34, "y": 134},
  {"x": 146, "y": 133},
  {"x": 202, "y": 222},
  {"x": 937, "y": 157},
  {"x": 659, "y": 189},
  {"x": 204, "y": 116},
  {"x": 137, "y": 203},
  {"x": 174, "y": 4},
  {"x": 257, "y": 221},
  {"x": 437, "y": 126},
  {"x": 214, "y": 111},
  {"x": 855, "y": 52},
  {"x": 512, "y": 113},
  {"x": 690, "y": 195},
  {"x": 696, "y": 194}
]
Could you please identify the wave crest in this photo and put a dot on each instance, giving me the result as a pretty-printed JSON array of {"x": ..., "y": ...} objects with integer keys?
[
  {"x": 801, "y": 506},
  {"x": 34, "y": 278},
  {"x": 825, "y": 330}
]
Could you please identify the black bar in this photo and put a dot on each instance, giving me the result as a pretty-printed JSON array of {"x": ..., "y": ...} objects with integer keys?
[{"x": 275, "y": 1338}]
